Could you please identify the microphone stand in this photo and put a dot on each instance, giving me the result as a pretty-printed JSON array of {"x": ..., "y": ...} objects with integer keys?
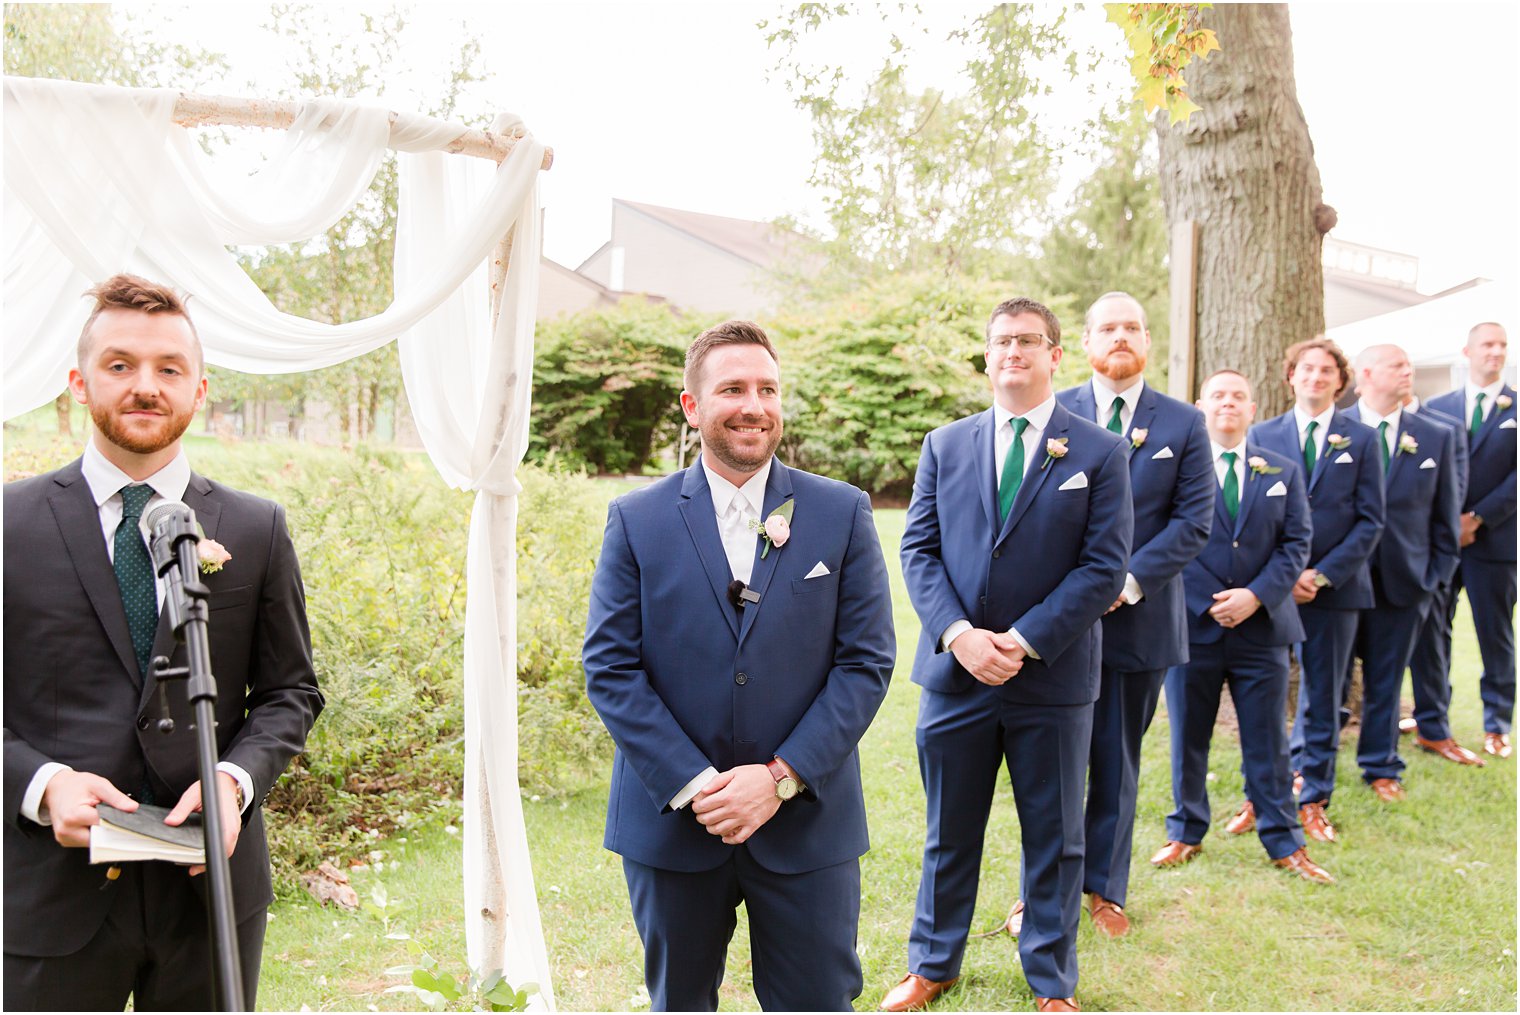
[{"x": 176, "y": 560}]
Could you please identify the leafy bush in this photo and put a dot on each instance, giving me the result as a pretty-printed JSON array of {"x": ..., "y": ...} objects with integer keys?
[{"x": 606, "y": 384}]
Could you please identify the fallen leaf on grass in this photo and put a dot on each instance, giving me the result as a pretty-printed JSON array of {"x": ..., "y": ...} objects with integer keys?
[{"x": 328, "y": 883}]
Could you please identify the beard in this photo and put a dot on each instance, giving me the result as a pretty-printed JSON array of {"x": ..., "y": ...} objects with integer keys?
[
  {"x": 716, "y": 438},
  {"x": 160, "y": 435},
  {"x": 1120, "y": 364}
]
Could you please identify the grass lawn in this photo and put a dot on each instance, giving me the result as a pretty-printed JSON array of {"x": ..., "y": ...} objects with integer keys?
[{"x": 1423, "y": 916}]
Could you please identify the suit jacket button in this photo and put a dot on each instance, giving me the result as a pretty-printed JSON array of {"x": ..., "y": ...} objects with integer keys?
[
  {"x": 142, "y": 722},
  {"x": 741, "y": 679},
  {"x": 996, "y": 554},
  {"x": 1236, "y": 544}
]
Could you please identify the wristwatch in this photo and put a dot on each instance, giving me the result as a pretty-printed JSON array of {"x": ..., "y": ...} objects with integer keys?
[
  {"x": 1320, "y": 581},
  {"x": 786, "y": 786}
]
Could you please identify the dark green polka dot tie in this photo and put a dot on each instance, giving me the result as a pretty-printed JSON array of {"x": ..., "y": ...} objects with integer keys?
[{"x": 134, "y": 573}]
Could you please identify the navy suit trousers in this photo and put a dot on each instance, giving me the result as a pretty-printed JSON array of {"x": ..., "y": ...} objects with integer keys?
[
  {"x": 1490, "y": 588},
  {"x": 802, "y": 931},
  {"x": 1385, "y": 639},
  {"x": 1324, "y": 656},
  {"x": 1430, "y": 665},
  {"x": 962, "y": 740},
  {"x": 1126, "y": 705},
  {"x": 1258, "y": 680}
]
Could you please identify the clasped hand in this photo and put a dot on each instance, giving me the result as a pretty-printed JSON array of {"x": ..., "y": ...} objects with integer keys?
[
  {"x": 992, "y": 657},
  {"x": 71, "y": 797},
  {"x": 736, "y": 803},
  {"x": 1233, "y": 607}
]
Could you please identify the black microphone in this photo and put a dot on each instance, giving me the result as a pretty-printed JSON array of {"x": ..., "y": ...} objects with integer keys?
[
  {"x": 170, "y": 524},
  {"x": 740, "y": 593}
]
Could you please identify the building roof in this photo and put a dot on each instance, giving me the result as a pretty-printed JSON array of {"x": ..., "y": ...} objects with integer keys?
[{"x": 760, "y": 243}]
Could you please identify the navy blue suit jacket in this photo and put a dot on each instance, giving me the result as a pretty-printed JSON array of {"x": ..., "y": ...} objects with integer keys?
[
  {"x": 1490, "y": 473},
  {"x": 1345, "y": 503},
  {"x": 1173, "y": 497},
  {"x": 1050, "y": 569},
  {"x": 1264, "y": 549},
  {"x": 1458, "y": 445},
  {"x": 1418, "y": 550},
  {"x": 683, "y": 681}
]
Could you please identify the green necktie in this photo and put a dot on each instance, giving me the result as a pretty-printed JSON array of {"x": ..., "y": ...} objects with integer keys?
[
  {"x": 1383, "y": 443},
  {"x": 134, "y": 573},
  {"x": 1477, "y": 420},
  {"x": 1013, "y": 470},
  {"x": 1310, "y": 451},
  {"x": 1115, "y": 422},
  {"x": 1231, "y": 485}
]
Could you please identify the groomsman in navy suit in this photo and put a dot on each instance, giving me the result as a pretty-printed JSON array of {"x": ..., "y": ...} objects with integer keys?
[
  {"x": 1241, "y": 623},
  {"x": 1016, "y": 543},
  {"x": 1487, "y": 405},
  {"x": 738, "y": 645},
  {"x": 1343, "y": 470},
  {"x": 1416, "y": 555},
  {"x": 1145, "y": 630}
]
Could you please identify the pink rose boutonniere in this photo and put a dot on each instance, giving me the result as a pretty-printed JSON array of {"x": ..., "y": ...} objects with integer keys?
[
  {"x": 1054, "y": 448},
  {"x": 776, "y": 529},
  {"x": 1137, "y": 436},
  {"x": 1504, "y": 401},
  {"x": 213, "y": 555},
  {"x": 1338, "y": 442},
  {"x": 1259, "y": 466},
  {"x": 1407, "y": 444}
]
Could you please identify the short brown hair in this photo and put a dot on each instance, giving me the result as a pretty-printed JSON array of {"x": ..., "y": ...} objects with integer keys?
[
  {"x": 1024, "y": 305},
  {"x": 1296, "y": 352},
  {"x": 727, "y": 333},
  {"x": 133, "y": 292}
]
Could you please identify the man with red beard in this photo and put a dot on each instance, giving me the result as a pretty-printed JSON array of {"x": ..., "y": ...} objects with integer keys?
[{"x": 82, "y": 703}]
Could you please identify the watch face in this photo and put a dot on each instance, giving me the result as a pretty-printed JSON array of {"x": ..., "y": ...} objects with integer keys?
[{"x": 786, "y": 788}]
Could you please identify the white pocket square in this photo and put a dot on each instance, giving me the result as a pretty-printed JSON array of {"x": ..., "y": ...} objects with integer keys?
[
  {"x": 818, "y": 571},
  {"x": 1345, "y": 456},
  {"x": 1077, "y": 482},
  {"x": 1429, "y": 463},
  {"x": 1165, "y": 452},
  {"x": 1279, "y": 489},
  {"x": 1508, "y": 424}
]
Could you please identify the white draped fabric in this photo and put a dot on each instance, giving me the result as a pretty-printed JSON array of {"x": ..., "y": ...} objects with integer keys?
[{"x": 99, "y": 180}]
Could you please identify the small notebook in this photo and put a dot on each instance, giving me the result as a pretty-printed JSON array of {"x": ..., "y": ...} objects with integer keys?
[{"x": 124, "y": 836}]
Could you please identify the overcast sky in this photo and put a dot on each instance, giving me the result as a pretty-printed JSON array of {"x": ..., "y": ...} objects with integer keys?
[{"x": 1413, "y": 108}]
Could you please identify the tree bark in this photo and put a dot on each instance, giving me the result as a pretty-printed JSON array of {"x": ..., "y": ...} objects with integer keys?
[
  {"x": 62, "y": 406},
  {"x": 1242, "y": 167}
]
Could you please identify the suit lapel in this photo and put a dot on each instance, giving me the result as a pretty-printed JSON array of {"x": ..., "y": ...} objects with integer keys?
[
  {"x": 1222, "y": 519},
  {"x": 1322, "y": 463},
  {"x": 1491, "y": 424},
  {"x": 984, "y": 446},
  {"x": 1085, "y": 402},
  {"x": 1396, "y": 458},
  {"x": 778, "y": 489},
  {"x": 1256, "y": 487},
  {"x": 702, "y": 524},
  {"x": 79, "y": 521},
  {"x": 1036, "y": 470},
  {"x": 1145, "y": 411}
]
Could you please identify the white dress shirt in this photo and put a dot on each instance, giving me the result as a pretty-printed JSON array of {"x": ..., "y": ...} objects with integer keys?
[
  {"x": 1103, "y": 398},
  {"x": 105, "y": 481},
  {"x": 1033, "y": 440},
  {"x": 1370, "y": 416},
  {"x": 1240, "y": 464},
  {"x": 1303, "y": 419},
  {"x": 1490, "y": 395}
]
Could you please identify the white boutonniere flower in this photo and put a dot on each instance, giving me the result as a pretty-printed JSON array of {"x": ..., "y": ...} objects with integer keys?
[
  {"x": 1137, "y": 436},
  {"x": 1055, "y": 448},
  {"x": 1259, "y": 466},
  {"x": 1504, "y": 401},
  {"x": 1338, "y": 442},
  {"x": 776, "y": 529},
  {"x": 1407, "y": 444},
  {"x": 213, "y": 555}
]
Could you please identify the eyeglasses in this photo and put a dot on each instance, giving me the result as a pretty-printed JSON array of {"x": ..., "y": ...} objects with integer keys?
[{"x": 1028, "y": 342}]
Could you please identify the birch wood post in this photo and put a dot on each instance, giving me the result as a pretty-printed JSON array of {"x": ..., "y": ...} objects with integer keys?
[{"x": 1182, "y": 359}]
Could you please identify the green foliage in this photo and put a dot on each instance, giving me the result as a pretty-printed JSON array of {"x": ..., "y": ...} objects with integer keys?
[
  {"x": 864, "y": 378},
  {"x": 606, "y": 385},
  {"x": 82, "y": 42},
  {"x": 1163, "y": 40}
]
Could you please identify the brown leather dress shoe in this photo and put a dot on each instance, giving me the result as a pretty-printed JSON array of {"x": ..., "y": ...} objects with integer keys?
[
  {"x": 1497, "y": 744},
  {"x": 1243, "y": 821},
  {"x": 1299, "y": 863},
  {"x": 1013, "y": 924},
  {"x": 1316, "y": 825},
  {"x": 1108, "y": 917},
  {"x": 1175, "y": 854},
  {"x": 1407, "y": 725},
  {"x": 1450, "y": 750},
  {"x": 1389, "y": 791},
  {"x": 913, "y": 992},
  {"x": 1056, "y": 1004}
]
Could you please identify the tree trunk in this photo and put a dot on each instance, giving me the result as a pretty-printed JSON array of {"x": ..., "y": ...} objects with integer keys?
[
  {"x": 1242, "y": 167},
  {"x": 63, "y": 405}
]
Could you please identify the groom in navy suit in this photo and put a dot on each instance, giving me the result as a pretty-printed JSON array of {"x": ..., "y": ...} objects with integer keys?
[
  {"x": 738, "y": 645},
  {"x": 1016, "y": 543},
  {"x": 1486, "y": 407},
  {"x": 1145, "y": 630},
  {"x": 1343, "y": 471}
]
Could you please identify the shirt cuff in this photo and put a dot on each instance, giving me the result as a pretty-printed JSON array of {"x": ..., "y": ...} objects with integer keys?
[
  {"x": 1131, "y": 594},
  {"x": 953, "y": 632},
  {"x": 243, "y": 779},
  {"x": 1028, "y": 648},
  {"x": 31, "y": 801},
  {"x": 690, "y": 790}
]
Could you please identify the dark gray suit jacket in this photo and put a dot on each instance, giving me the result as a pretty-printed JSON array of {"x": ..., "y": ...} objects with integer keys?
[{"x": 73, "y": 693}]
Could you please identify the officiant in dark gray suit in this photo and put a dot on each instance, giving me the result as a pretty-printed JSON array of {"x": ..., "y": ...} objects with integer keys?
[{"x": 82, "y": 623}]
